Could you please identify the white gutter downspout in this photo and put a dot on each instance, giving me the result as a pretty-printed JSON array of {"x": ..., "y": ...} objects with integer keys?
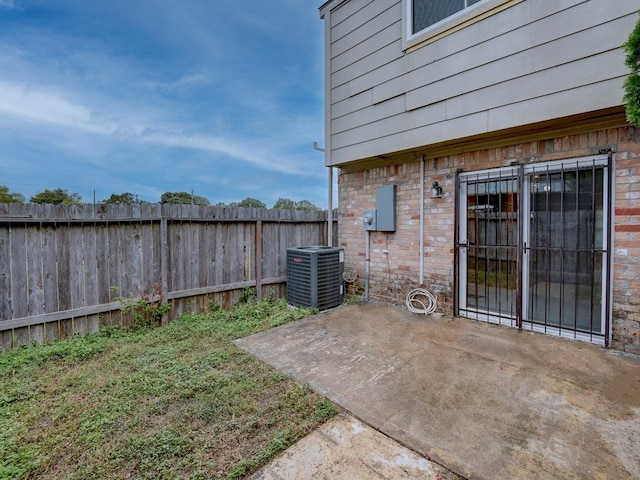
[
  {"x": 421, "y": 248},
  {"x": 330, "y": 208},
  {"x": 325, "y": 15},
  {"x": 330, "y": 202}
]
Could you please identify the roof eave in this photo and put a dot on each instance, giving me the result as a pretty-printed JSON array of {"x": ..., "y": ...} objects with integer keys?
[{"x": 330, "y": 5}]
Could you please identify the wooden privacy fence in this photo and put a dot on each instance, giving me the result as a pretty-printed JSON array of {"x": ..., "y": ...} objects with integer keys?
[{"x": 64, "y": 269}]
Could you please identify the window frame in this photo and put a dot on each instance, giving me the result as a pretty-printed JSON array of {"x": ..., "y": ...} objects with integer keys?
[{"x": 443, "y": 27}]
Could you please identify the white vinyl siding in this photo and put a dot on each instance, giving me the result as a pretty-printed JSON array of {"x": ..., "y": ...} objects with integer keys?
[
  {"x": 532, "y": 62},
  {"x": 427, "y": 19}
]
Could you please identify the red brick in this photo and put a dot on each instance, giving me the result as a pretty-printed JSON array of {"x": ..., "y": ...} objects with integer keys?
[
  {"x": 627, "y": 228},
  {"x": 628, "y": 211}
]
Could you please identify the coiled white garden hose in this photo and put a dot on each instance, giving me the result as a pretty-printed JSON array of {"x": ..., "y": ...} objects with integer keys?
[
  {"x": 421, "y": 300},
  {"x": 349, "y": 276}
]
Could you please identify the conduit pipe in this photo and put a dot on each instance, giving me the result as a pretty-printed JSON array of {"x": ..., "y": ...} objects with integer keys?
[
  {"x": 367, "y": 262},
  {"x": 421, "y": 241},
  {"x": 330, "y": 212},
  {"x": 421, "y": 300},
  {"x": 330, "y": 200}
]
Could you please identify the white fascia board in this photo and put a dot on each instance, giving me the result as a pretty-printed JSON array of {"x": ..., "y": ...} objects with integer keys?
[{"x": 330, "y": 5}]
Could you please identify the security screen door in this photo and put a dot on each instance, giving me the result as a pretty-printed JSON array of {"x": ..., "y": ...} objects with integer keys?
[
  {"x": 488, "y": 245},
  {"x": 532, "y": 247}
]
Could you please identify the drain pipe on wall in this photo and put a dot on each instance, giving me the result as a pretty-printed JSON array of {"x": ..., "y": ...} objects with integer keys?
[
  {"x": 421, "y": 247},
  {"x": 367, "y": 260},
  {"x": 330, "y": 202},
  {"x": 421, "y": 300},
  {"x": 330, "y": 210}
]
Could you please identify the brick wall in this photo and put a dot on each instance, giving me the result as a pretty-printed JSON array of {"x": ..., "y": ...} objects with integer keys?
[
  {"x": 626, "y": 270},
  {"x": 394, "y": 274}
]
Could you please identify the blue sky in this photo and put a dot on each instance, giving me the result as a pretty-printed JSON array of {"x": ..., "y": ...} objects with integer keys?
[{"x": 220, "y": 97}]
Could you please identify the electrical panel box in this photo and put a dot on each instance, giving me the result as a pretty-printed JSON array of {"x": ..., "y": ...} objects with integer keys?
[
  {"x": 369, "y": 220},
  {"x": 386, "y": 211}
]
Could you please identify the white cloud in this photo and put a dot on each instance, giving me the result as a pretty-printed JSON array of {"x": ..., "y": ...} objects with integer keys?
[
  {"x": 46, "y": 106},
  {"x": 253, "y": 154},
  {"x": 184, "y": 83},
  {"x": 7, "y": 4}
]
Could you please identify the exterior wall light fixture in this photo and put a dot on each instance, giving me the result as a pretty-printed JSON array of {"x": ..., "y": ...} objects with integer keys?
[{"x": 436, "y": 190}]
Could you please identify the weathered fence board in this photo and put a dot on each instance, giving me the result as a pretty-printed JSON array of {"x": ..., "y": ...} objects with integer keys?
[
  {"x": 5, "y": 271},
  {"x": 18, "y": 253},
  {"x": 62, "y": 236},
  {"x": 63, "y": 269},
  {"x": 49, "y": 274}
]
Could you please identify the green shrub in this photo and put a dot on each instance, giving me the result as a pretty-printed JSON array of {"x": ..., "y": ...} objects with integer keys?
[{"x": 632, "y": 83}]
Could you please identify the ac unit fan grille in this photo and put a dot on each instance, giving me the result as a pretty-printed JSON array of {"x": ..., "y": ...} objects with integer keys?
[{"x": 314, "y": 277}]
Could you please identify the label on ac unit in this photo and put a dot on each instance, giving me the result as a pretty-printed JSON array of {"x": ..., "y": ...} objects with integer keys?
[{"x": 341, "y": 256}]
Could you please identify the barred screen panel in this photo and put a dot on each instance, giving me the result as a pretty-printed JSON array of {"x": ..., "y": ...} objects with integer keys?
[
  {"x": 314, "y": 276},
  {"x": 430, "y": 12}
]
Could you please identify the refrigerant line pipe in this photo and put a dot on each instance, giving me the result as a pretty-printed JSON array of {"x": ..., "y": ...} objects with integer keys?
[
  {"x": 421, "y": 239},
  {"x": 367, "y": 259}
]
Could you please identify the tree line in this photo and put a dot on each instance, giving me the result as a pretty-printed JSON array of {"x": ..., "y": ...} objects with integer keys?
[{"x": 60, "y": 196}]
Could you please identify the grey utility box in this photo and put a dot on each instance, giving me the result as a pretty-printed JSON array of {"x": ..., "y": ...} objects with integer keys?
[
  {"x": 386, "y": 208},
  {"x": 369, "y": 220},
  {"x": 314, "y": 276}
]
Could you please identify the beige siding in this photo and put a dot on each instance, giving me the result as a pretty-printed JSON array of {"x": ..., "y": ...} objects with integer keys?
[{"x": 535, "y": 61}]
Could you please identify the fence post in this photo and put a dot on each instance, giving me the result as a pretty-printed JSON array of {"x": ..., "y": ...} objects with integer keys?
[
  {"x": 164, "y": 256},
  {"x": 258, "y": 259}
]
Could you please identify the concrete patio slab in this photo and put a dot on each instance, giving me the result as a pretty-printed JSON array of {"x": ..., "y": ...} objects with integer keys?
[
  {"x": 481, "y": 400},
  {"x": 344, "y": 448}
]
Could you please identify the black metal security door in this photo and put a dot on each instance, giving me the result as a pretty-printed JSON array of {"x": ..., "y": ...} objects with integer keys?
[
  {"x": 532, "y": 247},
  {"x": 488, "y": 245},
  {"x": 566, "y": 249}
]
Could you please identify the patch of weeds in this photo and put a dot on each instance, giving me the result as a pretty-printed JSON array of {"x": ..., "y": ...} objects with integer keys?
[
  {"x": 180, "y": 401},
  {"x": 70, "y": 351},
  {"x": 18, "y": 464},
  {"x": 246, "y": 318},
  {"x": 213, "y": 306},
  {"x": 146, "y": 312},
  {"x": 155, "y": 456},
  {"x": 248, "y": 295},
  {"x": 353, "y": 299}
]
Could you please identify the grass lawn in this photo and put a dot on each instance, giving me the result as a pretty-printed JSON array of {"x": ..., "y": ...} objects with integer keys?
[{"x": 180, "y": 401}]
